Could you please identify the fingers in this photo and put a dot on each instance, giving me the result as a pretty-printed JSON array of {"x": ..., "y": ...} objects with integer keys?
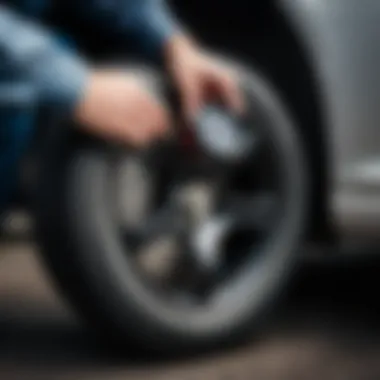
[
  {"x": 219, "y": 85},
  {"x": 230, "y": 93}
]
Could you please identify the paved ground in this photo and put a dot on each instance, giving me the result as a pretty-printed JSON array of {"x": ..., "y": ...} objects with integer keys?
[{"x": 328, "y": 329}]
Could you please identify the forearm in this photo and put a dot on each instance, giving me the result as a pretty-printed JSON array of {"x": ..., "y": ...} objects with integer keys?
[
  {"x": 31, "y": 55},
  {"x": 154, "y": 25},
  {"x": 149, "y": 22}
]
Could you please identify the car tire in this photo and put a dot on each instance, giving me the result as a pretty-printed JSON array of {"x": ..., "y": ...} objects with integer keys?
[{"x": 76, "y": 231}]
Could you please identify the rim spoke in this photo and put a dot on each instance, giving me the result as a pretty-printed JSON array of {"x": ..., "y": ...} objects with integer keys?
[
  {"x": 159, "y": 259},
  {"x": 207, "y": 240},
  {"x": 135, "y": 192}
]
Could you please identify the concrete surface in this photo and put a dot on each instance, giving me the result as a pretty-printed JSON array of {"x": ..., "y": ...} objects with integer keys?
[{"x": 328, "y": 329}]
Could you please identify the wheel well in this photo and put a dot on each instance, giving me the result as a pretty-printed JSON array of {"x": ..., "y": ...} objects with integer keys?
[{"x": 260, "y": 35}]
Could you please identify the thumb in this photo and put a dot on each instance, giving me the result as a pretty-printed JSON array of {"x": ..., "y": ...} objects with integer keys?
[{"x": 231, "y": 94}]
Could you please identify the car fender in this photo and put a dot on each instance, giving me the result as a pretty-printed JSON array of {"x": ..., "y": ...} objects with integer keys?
[{"x": 342, "y": 42}]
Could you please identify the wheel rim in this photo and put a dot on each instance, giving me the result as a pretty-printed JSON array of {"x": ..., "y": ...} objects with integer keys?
[{"x": 248, "y": 204}]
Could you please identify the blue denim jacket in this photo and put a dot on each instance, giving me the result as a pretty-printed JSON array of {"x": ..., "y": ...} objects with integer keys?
[
  {"x": 35, "y": 69},
  {"x": 30, "y": 54}
]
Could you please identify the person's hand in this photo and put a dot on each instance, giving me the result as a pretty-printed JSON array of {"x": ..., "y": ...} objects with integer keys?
[
  {"x": 200, "y": 78},
  {"x": 118, "y": 106}
]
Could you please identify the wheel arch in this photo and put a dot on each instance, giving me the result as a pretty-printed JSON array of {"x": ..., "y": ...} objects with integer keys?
[{"x": 310, "y": 110}]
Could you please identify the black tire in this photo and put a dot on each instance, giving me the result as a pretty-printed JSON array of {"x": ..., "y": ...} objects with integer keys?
[{"x": 82, "y": 251}]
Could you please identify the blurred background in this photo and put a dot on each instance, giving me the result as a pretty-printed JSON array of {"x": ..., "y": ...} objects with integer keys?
[{"x": 326, "y": 326}]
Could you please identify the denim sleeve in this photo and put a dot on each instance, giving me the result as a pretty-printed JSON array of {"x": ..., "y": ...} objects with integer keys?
[
  {"x": 149, "y": 22},
  {"x": 29, "y": 54}
]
